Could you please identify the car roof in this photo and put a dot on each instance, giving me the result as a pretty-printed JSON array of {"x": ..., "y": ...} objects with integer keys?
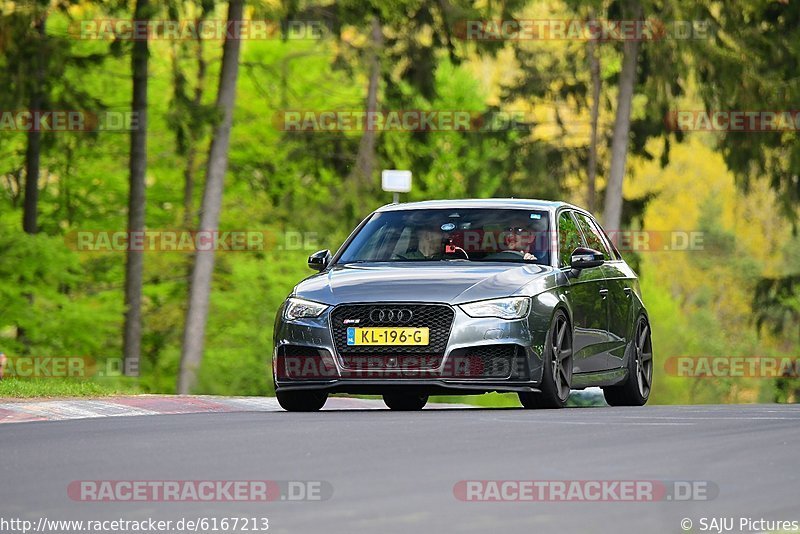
[{"x": 495, "y": 203}]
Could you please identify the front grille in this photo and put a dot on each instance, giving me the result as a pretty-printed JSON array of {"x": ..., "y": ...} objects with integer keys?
[
  {"x": 487, "y": 361},
  {"x": 437, "y": 317}
]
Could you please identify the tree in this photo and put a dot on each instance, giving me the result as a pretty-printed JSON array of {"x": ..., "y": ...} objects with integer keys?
[
  {"x": 365, "y": 160},
  {"x": 34, "y": 147},
  {"x": 749, "y": 63},
  {"x": 132, "y": 335},
  {"x": 188, "y": 116},
  {"x": 594, "y": 71},
  {"x": 612, "y": 214},
  {"x": 200, "y": 285}
]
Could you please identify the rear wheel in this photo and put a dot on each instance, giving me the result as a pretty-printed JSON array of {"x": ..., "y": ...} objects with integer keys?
[
  {"x": 405, "y": 402},
  {"x": 557, "y": 367},
  {"x": 636, "y": 389},
  {"x": 301, "y": 401}
]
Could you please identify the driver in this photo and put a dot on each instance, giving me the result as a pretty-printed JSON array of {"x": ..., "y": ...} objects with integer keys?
[{"x": 518, "y": 241}]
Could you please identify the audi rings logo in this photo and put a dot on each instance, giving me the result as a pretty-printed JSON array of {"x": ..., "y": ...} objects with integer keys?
[{"x": 390, "y": 316}]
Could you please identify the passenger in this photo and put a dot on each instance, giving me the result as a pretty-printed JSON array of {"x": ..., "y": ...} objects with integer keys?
[{"x": 428, "y": 246}]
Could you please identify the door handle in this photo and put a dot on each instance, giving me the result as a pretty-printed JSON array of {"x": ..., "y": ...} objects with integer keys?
[{"x": 604, "y": 292}]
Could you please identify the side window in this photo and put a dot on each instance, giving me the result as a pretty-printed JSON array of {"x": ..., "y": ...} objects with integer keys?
[
  {"x": 615, "y": 255},
  {"x": 593, "y": 237},
  {"x": 569, "y": 238}
]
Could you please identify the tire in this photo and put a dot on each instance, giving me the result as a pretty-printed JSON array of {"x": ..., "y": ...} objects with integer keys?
[
  {"x": 405, "y": 402},
  {"x": 636, "y": 389},
  {"x": 301, "y": 401},
  {"x": 556, "y": 368}
]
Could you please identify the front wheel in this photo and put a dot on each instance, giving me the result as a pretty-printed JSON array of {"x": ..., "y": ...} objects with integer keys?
[
  {"x": 405, "y": 402},
  {"x": 556, "y": 368},
  {"x": 636, "y": 389},
  {"x": 301, "y": 401}
]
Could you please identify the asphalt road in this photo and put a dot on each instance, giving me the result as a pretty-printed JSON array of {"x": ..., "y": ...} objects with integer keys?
[{"x": 395, "y": 472}]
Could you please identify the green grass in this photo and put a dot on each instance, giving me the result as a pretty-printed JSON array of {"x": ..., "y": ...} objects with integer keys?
[{"x": 15, "y": 388}]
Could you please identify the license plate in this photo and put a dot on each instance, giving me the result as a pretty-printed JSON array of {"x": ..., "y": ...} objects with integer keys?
[{"x": 387, "y": 336}]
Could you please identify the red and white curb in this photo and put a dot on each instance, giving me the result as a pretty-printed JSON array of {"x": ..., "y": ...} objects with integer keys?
[{"x": 60, "y": 410}]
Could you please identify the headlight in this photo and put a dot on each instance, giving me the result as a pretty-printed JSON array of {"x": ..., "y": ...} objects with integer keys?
[
  {"x": 507, "y": 308},
  {"x": 299, "y": 308}
]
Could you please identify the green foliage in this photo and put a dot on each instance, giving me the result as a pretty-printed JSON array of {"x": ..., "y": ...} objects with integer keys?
[
  {"x": 750, "y": 64},
  {"x": 44, "y": 294}
]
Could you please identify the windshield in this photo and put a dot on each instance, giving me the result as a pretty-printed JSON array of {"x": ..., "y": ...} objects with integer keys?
[{"x": 489, "y": 235}]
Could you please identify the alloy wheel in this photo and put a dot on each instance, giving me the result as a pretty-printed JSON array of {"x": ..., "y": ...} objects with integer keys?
[
  {"x": 561, "y": 349},
  {"x": 644, "y": 358}
]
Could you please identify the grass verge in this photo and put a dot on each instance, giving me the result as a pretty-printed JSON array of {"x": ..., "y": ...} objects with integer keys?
[{"x": 16, "y": 388}]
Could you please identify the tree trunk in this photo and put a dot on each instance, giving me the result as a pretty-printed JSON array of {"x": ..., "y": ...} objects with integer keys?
[
  {"x": 30, "y": 212},
  {"x": 594, "y": 70},
  {"x": 188, "y": 188},
  {"x": 132, "y": 336},
  {"x": 365, "y": 160},
  {"x": 194, "y": 131},
  {"x": 200, "y": 284},
  {"x": 33, "y": 150},
  {"x": 612, "y": 214}
]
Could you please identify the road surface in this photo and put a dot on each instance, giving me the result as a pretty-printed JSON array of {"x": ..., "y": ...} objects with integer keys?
[{"x": 393, "y": 472}]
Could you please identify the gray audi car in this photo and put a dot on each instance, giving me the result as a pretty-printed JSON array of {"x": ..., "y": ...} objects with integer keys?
[{"x": 466, "y": 297}]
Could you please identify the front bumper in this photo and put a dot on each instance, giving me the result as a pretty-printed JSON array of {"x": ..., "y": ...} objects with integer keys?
[{"x": 479, "y": 355}]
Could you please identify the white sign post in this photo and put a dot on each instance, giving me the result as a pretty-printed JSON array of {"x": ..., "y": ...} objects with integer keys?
[{"x": 396, "y": 182}]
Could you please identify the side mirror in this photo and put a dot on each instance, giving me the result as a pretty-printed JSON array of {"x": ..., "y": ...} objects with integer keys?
[
  {"x": 319, "y": 260},
  {"x": 585, "y": 258}
]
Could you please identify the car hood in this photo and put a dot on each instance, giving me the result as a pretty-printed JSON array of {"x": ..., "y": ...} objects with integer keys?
[{"x": 451, "y": 282}]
